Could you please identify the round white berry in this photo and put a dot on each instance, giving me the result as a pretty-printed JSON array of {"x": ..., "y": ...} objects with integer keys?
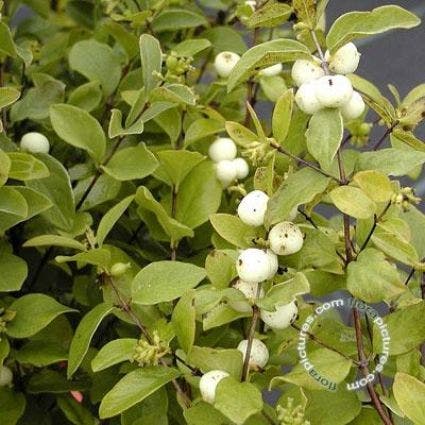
[
  {"x": 222, "y": 148},
  {"x": 306, "y": 98},
  {"x": 285, "y": 238},
  {"x": 345, "y": 60},
  {"x": 35, "y": 143},
  {"x": 253, "y": 265},
  {"x": 225, "y": 62},
  {"x": 242, "y": 168},
  {"x": 333, "y": 91},
  {"x": 208, "y": 384},
  {"x": 282, "y": 317},
  {"x": 273, "y": 263},
  {"x": 226, "y": 172},
  {"x": 272, "y": 70},
  {"x": 354, "y": 107},
  {"x": 259, "y": 355},
  {"x": 250, "y": 290},
  {"x": 6, "y": 376},
  {"x": 253, "y": 207},
  {"x": 306, "y": 71}
]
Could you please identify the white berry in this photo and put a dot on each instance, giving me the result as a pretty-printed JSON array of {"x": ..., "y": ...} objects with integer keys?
[
  {"x": 35, "y": 143},
  {"x": 285, "y": 238},
  {"x": 253, "y": 207},
  {"x": 253, "y": 265},
  {"x": 222, "y": 148},
  {"x": 354, "y": 107},
  {"x": 333, "y": 91},
  {"x": 272, "y": 70},
  {"x": 250, "y": 290},
  {"x": 306, "y": 98},
  {"x": 208, "y": 384},
  {"x": 305, "y": 71},
  {"x": 226, "y": 172},
  {"x": 259, "y": 355},
  {"x": 225, "y": 62},
  {"x": 242, "y": 168},
  {"x": 345, "y": 60},
  {"x": 282, "y": 317},
  {"x": 6, "y": 376},
  {"x": 273, "y": 263}
]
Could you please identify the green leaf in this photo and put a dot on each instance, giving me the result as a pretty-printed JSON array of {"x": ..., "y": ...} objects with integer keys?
[
  {"x": 299, "y": 188},
  {"x": 42, "y": 353},
  {"x": 54, "y": 240},
  {"x": 131, "y": 163},
  {"x": 324, "y": 135},
  {"x": 395, "y": 247},
  {"x": 177, "y": 19},
  {"x": 97, "y": 62},
  {"x": 13, "y": 272},
  {"x": 75, "y": 412},
  {"x": 282, "y": 115},
  {"x": 177, "y": 93},
  {"x": 338, "y": 407},
  {"x": 176, "y": 165},
  {"x": 237, "y": 400},
  {"x": 232, "y": 229},
  {"x": 115, "y": 127},
  {"x": 353, "y": 201},
  {"x": 110, "y": 218},
  {"x": 199, "y": 195},
  {"x": 172, "y": 227},
  {"x": 12, "y": 202},
  {"x": 375, "y": 184},
  {"x": 97, "y": 257},
  {"x": 135, "y": 387},
  {"x": 78, "y": 128},
  {"x": 7, "y": 46},
  {"x": 151, "y": 57},
  {"x": 25, "y": 166},
  {"x": 355, "y": 25},
  {"x": 221, "y": 267},
  {"x": 152, "y": 284},
  {"x": 285, "y": 292},
  {"x": 409, "y": 394},
  {"x": 371, "y": 266},
  {"x": 57, "y": 188},
  {"x": 270, "y": 15},
  {"x": 409, "y": 317},
  {"x": 114, "y": 352},
  {"x": 225, "y": 38},
  {"x": 266, "y": 54},
  {"x": 33, "y": 313},
  {"x": 87, "y": 96},
  {"x": 192, "y": 47},
  {"x": 184, "y": 321},
  {"x": 126, "y": 39},
  {"x": 393, "y": 162},
  {"x": 203, "y": 413},
  {"x": 201, "y": 128},
  {"x": 8, "y": 95},
  {"x": 329, "y": 364},
  {"x": 207, "y": 358},
  {"x": 83, "y": 335},
  {"x": 241, "y": 135},
  {"x": 12, "y": 406},
  {"x": 5, "y": 164}
]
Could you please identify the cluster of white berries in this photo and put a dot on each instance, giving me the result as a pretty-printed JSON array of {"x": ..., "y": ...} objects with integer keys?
[
  {"x": 317, "y": 90},
  {"x": 34, "y": 142},
  {"x": 225, "y": 62},
  {"x": 223, "y": 152},
  {"x": 255, "y": 266}
]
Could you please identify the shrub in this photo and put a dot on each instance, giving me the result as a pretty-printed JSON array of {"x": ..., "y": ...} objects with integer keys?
[{"x": 166, "y": 240}]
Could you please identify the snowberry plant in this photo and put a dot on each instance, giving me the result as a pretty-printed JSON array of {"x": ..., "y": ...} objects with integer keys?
[{"x": 181, "y": 183}]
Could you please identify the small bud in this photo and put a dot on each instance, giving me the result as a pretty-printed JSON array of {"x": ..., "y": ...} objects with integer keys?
[{"x": 118, "y": 269}]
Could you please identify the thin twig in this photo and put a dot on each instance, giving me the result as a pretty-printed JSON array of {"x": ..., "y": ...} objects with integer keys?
[
  {"x": 126, "y": 307},
  {"x": 280, "y": 149},
  {"x": 251, "y": 334},
  {"x": 365, "y": 370},
  {"x": 323, "y": 344},
  {"x": 384, "y": 136}
]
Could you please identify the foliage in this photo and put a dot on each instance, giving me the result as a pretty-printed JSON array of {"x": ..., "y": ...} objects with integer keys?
[{"x": 119, "y": 248}]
